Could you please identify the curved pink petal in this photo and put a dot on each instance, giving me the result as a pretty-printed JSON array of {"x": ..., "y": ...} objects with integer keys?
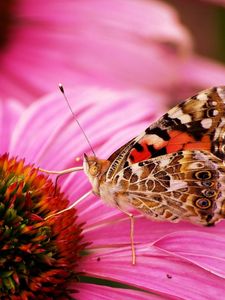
[
  {"x": 99, "y": 292},
  {"x": 104, "y": 226},
  {"x": 206, "y": 252},
  {"x": 155, "y": 271}
]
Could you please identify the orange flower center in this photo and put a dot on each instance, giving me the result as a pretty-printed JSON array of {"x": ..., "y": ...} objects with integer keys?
[{"x": 37, "y": 256}]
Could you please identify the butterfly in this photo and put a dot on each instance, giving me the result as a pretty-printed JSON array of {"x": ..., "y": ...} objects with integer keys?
[{"x": 173, "y": 170}]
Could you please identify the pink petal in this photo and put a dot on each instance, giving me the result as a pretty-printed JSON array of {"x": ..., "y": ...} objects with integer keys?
[
  {"x": 155, "y": 271},
  {"x": 201, "y": 72},
  {"x": 100, "y": 292},
  {"x": 9, "y": 114},
  {"x": 102, "y": 228},
  {"x": 203, "y": 249}
]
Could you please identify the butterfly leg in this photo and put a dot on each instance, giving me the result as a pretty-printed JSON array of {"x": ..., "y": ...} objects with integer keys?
[
  {"x": 71, "y": 206},
  {"x": 60, "y": 173},
  {"x": 131, "y": 217}
]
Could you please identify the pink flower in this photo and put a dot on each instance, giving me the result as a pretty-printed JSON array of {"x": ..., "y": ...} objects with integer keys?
[
  {"x": 134, "y": 44},
  {"x": 174, "y": 261},
  {"x": 125, "y": 44}
]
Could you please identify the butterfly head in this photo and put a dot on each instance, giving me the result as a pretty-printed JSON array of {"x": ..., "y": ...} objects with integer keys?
[{"x": 95, "y": 168}]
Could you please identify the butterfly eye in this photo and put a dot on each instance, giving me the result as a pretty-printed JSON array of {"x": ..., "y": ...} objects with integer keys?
[
  {"x": 203, "y": 175},
  {"x": 94, "y": 169},
  {"x": 203, "y": 203}
]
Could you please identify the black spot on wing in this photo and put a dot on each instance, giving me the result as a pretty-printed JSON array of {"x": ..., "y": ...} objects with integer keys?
[
  {"x": 194, "y": 97},
  {"x": 173, "y": 123},
  {"x": 196, "y": 130},
  {"x": 155, "y": 152},
  {"x": 126, "y": 164},
  {"x": 138, "y": 147},
  {"x": 160, "y": 132}
]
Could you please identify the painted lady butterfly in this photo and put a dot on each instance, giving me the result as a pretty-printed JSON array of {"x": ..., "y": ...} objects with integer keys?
[{"x": 174, "y": 169}]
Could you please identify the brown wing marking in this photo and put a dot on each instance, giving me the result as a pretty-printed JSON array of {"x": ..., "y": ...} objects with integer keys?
[{"x": 183, "y": 185}]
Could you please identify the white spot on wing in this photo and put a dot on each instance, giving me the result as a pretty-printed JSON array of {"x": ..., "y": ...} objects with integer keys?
[
  {"x": 154, "y": 139},
  {"x": 221, "y": 92},
  {"x": 222, "y": 121},
  {"x": 178, "y": 113},
  {"x": 185, "y": 118},
  {"x": 206, "y": 123},
  {"x": 175, "y": 113},
  {"x": 173, "y": 110},
  {"x": 136, "y": 170},
  {"x": 176, "y": 185},
  {"x": 202, "y": 97},
  {"x": 164, "y": 162}
]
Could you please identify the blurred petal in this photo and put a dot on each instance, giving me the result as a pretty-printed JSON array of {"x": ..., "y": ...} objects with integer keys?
[
  {"x": 195, "y": 74},
  {"x": 120, "y": 43},
  {"x": 155, "y": 271},
  {"x": 10, "y": 112},
  {"x": 201, "y": 72}
]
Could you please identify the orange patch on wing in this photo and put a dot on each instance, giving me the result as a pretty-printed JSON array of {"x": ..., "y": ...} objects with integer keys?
[
  {"x": 140, "y": 155},
  {"x": 183, "y": 141},
  {"x": 204, "y": 144},
  {"x": 170, "y": 148},
  {"x": 179, "y": 137},
  {"x": 179, "y": 141}
]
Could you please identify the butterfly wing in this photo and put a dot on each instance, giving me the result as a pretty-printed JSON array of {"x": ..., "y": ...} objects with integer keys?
[
  {"x": 196, "y": 124},
  {"x": 182, "y": 185}
]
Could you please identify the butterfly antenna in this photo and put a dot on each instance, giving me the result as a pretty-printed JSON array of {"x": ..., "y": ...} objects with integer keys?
[{"x": 75, "y": 118}]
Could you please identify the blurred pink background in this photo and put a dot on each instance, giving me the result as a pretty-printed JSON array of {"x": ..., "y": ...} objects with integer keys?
[{"x": 174, "y": 48}]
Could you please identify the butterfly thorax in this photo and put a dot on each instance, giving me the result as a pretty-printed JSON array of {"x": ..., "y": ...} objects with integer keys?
[{"x": 96, "y": 170}]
